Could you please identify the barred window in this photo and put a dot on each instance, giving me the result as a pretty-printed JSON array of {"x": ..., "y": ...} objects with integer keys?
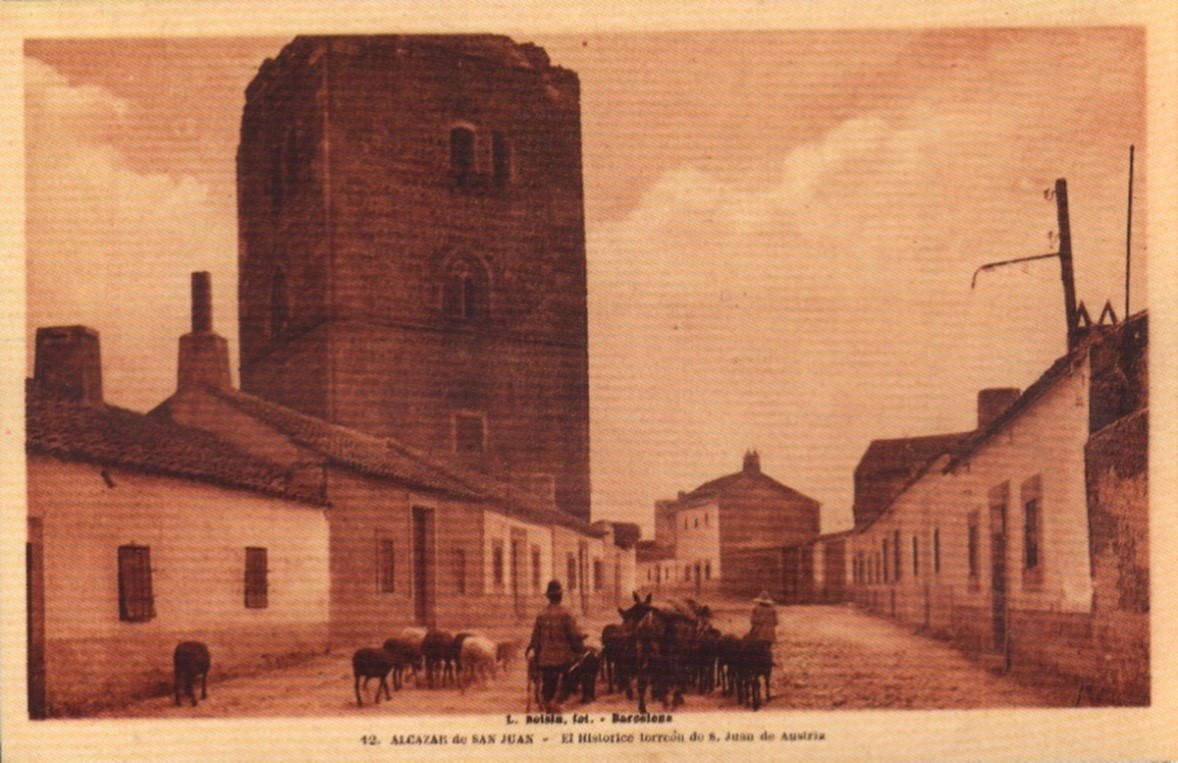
[
  {"x": 256, "y": 584},
  {"x": 385, "y": 567},
  {"x": 136, "y": 602}
]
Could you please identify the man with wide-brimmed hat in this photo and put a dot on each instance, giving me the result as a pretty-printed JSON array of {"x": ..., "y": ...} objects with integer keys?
[
  {"x": 556, "y": 642},
  {"x": 763, "y": 620}
]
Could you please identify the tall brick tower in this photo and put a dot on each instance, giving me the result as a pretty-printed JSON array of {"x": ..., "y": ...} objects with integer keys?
[{"x": 412, "y": 249}]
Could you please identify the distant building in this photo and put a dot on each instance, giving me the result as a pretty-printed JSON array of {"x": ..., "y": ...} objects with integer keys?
[
  {"x": 727, "y": 535},
  {"x": 1026, "y": 541},
  {"x": 142, "y": 533}
]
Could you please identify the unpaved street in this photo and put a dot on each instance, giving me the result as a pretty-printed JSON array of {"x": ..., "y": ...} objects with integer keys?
[{"x": 828, "y": 657}]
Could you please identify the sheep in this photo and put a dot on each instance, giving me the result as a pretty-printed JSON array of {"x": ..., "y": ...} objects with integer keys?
[
  {"x": 506, "y": 653},
  {"x": 407, "y": 654},
  {"x": 414, "y": 634},
  {"x": 369, "y": 662},
  {"x": 478, "y": 660},
  {"x": 189, "y": 660}
]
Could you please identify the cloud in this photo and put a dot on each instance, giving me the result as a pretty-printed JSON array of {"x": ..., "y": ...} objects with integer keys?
[
  {"x": 109, "y": 246},
  {"x": 829, "y": 305}
]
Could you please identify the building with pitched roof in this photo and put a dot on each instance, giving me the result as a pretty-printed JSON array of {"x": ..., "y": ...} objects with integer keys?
[
  {"x": 727, "y": 534},
  {"x": 143, "y": 533},
  {"x": 414, "y": 539},
  {"x": 1026, "y": 541}
]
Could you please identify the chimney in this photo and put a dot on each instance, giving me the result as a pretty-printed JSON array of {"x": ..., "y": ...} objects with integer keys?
[
  {"x": 204, "y": 356},
  {"x": 994, "y": 402},
  {"x": 68, "y": 365},
  {"x": 752, "y": 462}
]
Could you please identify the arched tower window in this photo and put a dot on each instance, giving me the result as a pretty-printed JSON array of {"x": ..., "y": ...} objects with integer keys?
[
  {"x": 462, "y": 165},
  {"x": 279, "y": 311},
  {"x": 465, "y": 293}
]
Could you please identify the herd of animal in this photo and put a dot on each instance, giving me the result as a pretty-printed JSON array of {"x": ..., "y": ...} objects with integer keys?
[{"x": 667, "y": 650}]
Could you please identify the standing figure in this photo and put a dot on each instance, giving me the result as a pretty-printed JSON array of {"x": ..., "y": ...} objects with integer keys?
[
  {"x": 556, "y": 643},
  {"x": 763, "y": 620}
]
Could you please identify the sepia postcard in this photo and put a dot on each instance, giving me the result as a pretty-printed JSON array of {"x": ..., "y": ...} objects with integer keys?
[{"x": 696, "y": 381}]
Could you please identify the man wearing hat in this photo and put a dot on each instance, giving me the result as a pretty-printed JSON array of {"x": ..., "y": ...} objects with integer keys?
[
  {"x": 556, "y": 642},
  {"x": 763, "y": 619}
]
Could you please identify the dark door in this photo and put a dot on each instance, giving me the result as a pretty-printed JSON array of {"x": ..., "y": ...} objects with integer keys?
[
  {"x": 35, "y": 621},
  {"x": 423, "y": 567},
  {"x": 519, "y": 558}
]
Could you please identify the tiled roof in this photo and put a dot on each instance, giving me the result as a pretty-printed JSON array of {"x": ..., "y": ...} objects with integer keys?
[
  {"x": 907, "y": 454},
  {"x": 107, "y": 435},
  {"x": 387, "y": 458},
  {"x": 738, "y": 481}
]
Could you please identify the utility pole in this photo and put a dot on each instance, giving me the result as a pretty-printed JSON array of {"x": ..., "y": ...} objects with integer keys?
[{"x": 1065, "y": 261}]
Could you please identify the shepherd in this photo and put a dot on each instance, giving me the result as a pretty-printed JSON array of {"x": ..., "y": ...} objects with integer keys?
[
  {"x": 556, "y": 643},
  {"x": 763, "y": 620}
]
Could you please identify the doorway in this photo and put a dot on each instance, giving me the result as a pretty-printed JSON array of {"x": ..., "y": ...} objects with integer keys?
[{"x": 424, "y": 609}]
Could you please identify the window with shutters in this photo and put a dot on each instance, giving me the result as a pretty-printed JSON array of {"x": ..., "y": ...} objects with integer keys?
[
  {"x": 256, "y": 583},
  {"x": 136, "y": 601},
  {"x": 386, "y": 571}
]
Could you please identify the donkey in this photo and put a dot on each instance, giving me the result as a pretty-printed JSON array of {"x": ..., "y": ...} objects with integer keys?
[{"x": 190, "y": 660}]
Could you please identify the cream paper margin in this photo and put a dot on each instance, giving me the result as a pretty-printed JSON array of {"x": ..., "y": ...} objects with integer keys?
[{"x": 1049, "y": 734}]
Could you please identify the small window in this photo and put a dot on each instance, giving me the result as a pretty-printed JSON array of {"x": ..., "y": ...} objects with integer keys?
[
  {"x": 598, "y": 574},
  {"x": 571, "y": 567},
  {"x": 695, "y": 523},
  {"x": 1032, "y": 500},
  {"x": 465, "y": 291},
  {"x": 497, "y": 563},
  {"x": 385, "y": 569},
  {"x": 708, "y": 571},
  {"x": 535, "y": 568},
  {"x": 884, "y": 546},
  {"x": 500, "y": 159},
  {"x": 915, "y": 556},
  {"x": 896, "y": 552},
  {"x": 462, "y": 154},
  {"x": 136, "y": 601},
  {"x": 684, "y": 523},
  {"x": 256, "y": 584},
  {"x": 937, "y": 550},
  {"x": 705, "y": 519},
  {"x": 973, "y": 547},
  {"x": 460, "y": 570},
  {"x": 469, "y": 433}
]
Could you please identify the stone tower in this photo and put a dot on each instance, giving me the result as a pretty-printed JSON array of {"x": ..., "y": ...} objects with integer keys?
[{"x": 412, "y": 249}]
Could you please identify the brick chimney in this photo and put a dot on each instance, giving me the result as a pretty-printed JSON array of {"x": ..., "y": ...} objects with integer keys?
[
  {"x": 752, "y": 462},
  {"x": 204, "y": 356},
  {"x": 68, "y": 365},
  {"x": 993, "y": 402}
]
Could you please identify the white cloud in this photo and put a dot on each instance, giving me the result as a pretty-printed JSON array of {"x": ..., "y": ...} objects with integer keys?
[{"x": 109, "y": 246}]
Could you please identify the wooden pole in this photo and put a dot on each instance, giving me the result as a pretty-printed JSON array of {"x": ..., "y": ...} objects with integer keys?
[{"x": 1065, "y": 261}]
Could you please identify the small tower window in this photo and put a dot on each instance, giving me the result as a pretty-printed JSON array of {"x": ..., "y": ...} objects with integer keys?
[
  {"x": 465, "y": 291},
  {"x": 462, "y": 154},
  {"x": 469, "y": 433}
]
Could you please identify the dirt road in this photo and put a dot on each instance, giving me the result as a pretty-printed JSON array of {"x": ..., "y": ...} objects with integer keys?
[{"x": 828, "y": 657}]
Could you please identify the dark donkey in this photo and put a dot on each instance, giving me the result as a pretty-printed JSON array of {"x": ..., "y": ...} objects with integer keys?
[
  {"x": 661, "y": 641},
  {"x": 189, "y": 661}
]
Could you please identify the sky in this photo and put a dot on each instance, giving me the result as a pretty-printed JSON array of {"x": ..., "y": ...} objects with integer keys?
[{"x": 781, "y": 227}]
